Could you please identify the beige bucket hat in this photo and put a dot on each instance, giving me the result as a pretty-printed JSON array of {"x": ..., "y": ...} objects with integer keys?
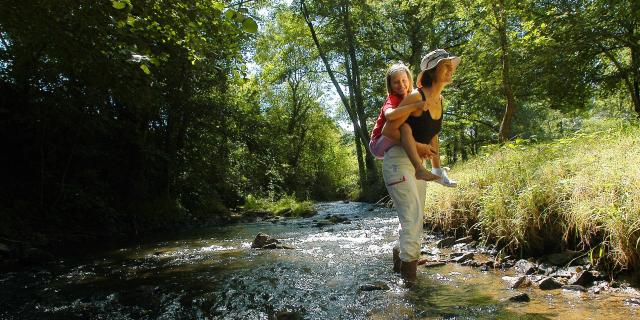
[{"x": 432, "y": 59}]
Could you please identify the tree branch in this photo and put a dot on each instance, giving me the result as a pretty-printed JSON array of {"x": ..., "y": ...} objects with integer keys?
[{"x": 343, "y": 98}]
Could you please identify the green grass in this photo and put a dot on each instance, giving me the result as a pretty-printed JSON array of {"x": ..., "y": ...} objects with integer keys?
[
  {"x": 286, "y": 204},
  {"x": 578, "y": 192}
]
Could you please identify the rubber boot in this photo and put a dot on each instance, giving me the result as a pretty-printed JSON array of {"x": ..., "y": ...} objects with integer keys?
[
  {"x": 408, "y": 271},
  {"x": 396, "y": 259}
]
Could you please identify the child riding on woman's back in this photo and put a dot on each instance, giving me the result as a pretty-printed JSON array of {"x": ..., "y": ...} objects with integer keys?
[{"x": 392, "y": 117}]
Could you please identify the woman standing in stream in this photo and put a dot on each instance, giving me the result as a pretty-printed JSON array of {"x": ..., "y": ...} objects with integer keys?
[{"x": 424, "y": 125}]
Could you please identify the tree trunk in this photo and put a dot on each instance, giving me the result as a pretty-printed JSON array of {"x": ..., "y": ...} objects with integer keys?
[
  {"x": 325, "y": 61},
  {"x": 505, "y": 125},
  {"x": 463, "y": 149},
  {"x": 355, "y": 86},
  {"x": 416, "y": 38},
  {"x": 635, "y": 94},
  {"x": 635, "y": 58},
  {"x": 361, "y": 169},
  {"x": 630, "y": 80},
  {"x": 345, "y": 102}
]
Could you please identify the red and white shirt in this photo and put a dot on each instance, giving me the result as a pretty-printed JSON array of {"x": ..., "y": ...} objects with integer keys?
[{"x": 393, "y": 100}]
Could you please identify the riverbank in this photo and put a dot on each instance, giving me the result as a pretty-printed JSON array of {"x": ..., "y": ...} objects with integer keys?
[
  {"x": 579, "y": 193},
  {"x": 48, "y": 239}
]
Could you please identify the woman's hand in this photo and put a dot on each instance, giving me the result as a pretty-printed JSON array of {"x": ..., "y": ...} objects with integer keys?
[{"x": 425, "y": 151}]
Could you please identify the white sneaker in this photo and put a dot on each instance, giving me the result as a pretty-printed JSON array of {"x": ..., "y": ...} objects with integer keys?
[{"x": 444, "y": 177}]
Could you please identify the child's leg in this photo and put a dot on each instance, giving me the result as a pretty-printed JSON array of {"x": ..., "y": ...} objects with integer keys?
[
  {"x": 391, "y": 130},
  {"x": 409, "y": 145}
]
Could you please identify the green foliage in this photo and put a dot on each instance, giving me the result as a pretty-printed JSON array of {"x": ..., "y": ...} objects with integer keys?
[
  {"x": 298, "y": 146},
  {"x": 118, "y": 113},
  {"x": 579, "y": 191},
  {"x": 119, "y": 107},
  {"x": 285, "y": 205}
]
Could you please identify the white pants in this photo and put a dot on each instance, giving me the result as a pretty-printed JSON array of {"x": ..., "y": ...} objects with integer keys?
[{"x": 408, "y": 196}]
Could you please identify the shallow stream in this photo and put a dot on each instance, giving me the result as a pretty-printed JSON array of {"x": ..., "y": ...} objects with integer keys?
[{"x": 214, "y": 274}]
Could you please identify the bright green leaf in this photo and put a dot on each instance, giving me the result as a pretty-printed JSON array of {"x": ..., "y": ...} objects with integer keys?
[
  {"x": 218, "y": 5},
  {"x": 249, "y": 25},
  {"x": 119, "y": 4},
  {"x": 230, "y": 14},
  {"x": 145, "y": 69}
]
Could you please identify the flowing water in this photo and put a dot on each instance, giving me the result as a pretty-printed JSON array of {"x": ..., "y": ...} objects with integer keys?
[{"x": 214, "y": 274}]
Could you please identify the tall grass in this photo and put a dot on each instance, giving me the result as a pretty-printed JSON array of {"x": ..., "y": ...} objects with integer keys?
[{"x": 578, "y": 192}]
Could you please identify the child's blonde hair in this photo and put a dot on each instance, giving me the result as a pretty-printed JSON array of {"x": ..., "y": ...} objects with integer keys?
[{"x": 395, "y": 68}]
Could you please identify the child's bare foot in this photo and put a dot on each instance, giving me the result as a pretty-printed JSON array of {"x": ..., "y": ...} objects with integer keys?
[{"x": 426, "y": 175}]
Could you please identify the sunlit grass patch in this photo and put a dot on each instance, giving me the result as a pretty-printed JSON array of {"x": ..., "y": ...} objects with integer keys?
[
  {"x": 286, "y": 206},
  {"x": 582, "y": 191}
]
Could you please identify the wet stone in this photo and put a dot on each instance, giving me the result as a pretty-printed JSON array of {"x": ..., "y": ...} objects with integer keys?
[
  {"x": 337, "y": 218},
  {"x": 471, "y": 263},
  {"x": 574, "y": 288},
  {"x": 464, "y": 240},
  {"x": 546, "y": 268},
  {"x": 508, "y": 264},
  {"x": 446, "y": 242},
  {"x": 523, "y": 297},
  {"x": 374, "y": 286},
  {"x": 288, "y": 315},
  {"x": 265, "y": 241},
  {"x": 463, "y": 258},
  {"x": 324, "y": 223},
  {"x": 567, "y": 272},
  {"x": 433, "y": 264},
  {"x": 430, "y": 251},
  {"x": 484, "y": 267},
  {"x": 549, "y": 283},
  {"x": 459, "y": 247},
  {"x": 525, "y": 267},
  {"x": 583, "y": 278},
  {"x": 632, "y": 302},
  {"x": 517, "y": 282}
]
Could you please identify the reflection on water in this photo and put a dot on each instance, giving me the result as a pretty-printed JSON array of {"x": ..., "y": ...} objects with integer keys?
[{"x": 214, "y": 274}]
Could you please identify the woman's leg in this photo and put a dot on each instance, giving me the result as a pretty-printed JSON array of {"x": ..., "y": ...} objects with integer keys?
[
  {"x": 409, "y": 145},
  {"x": 403, "y": 187}
]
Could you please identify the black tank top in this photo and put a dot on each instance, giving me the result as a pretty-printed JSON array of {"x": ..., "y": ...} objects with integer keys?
[{"x": 424, "y": 127}]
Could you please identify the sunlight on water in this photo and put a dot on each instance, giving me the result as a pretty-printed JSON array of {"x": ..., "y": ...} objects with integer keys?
[{"x": 214, "y": 274}]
